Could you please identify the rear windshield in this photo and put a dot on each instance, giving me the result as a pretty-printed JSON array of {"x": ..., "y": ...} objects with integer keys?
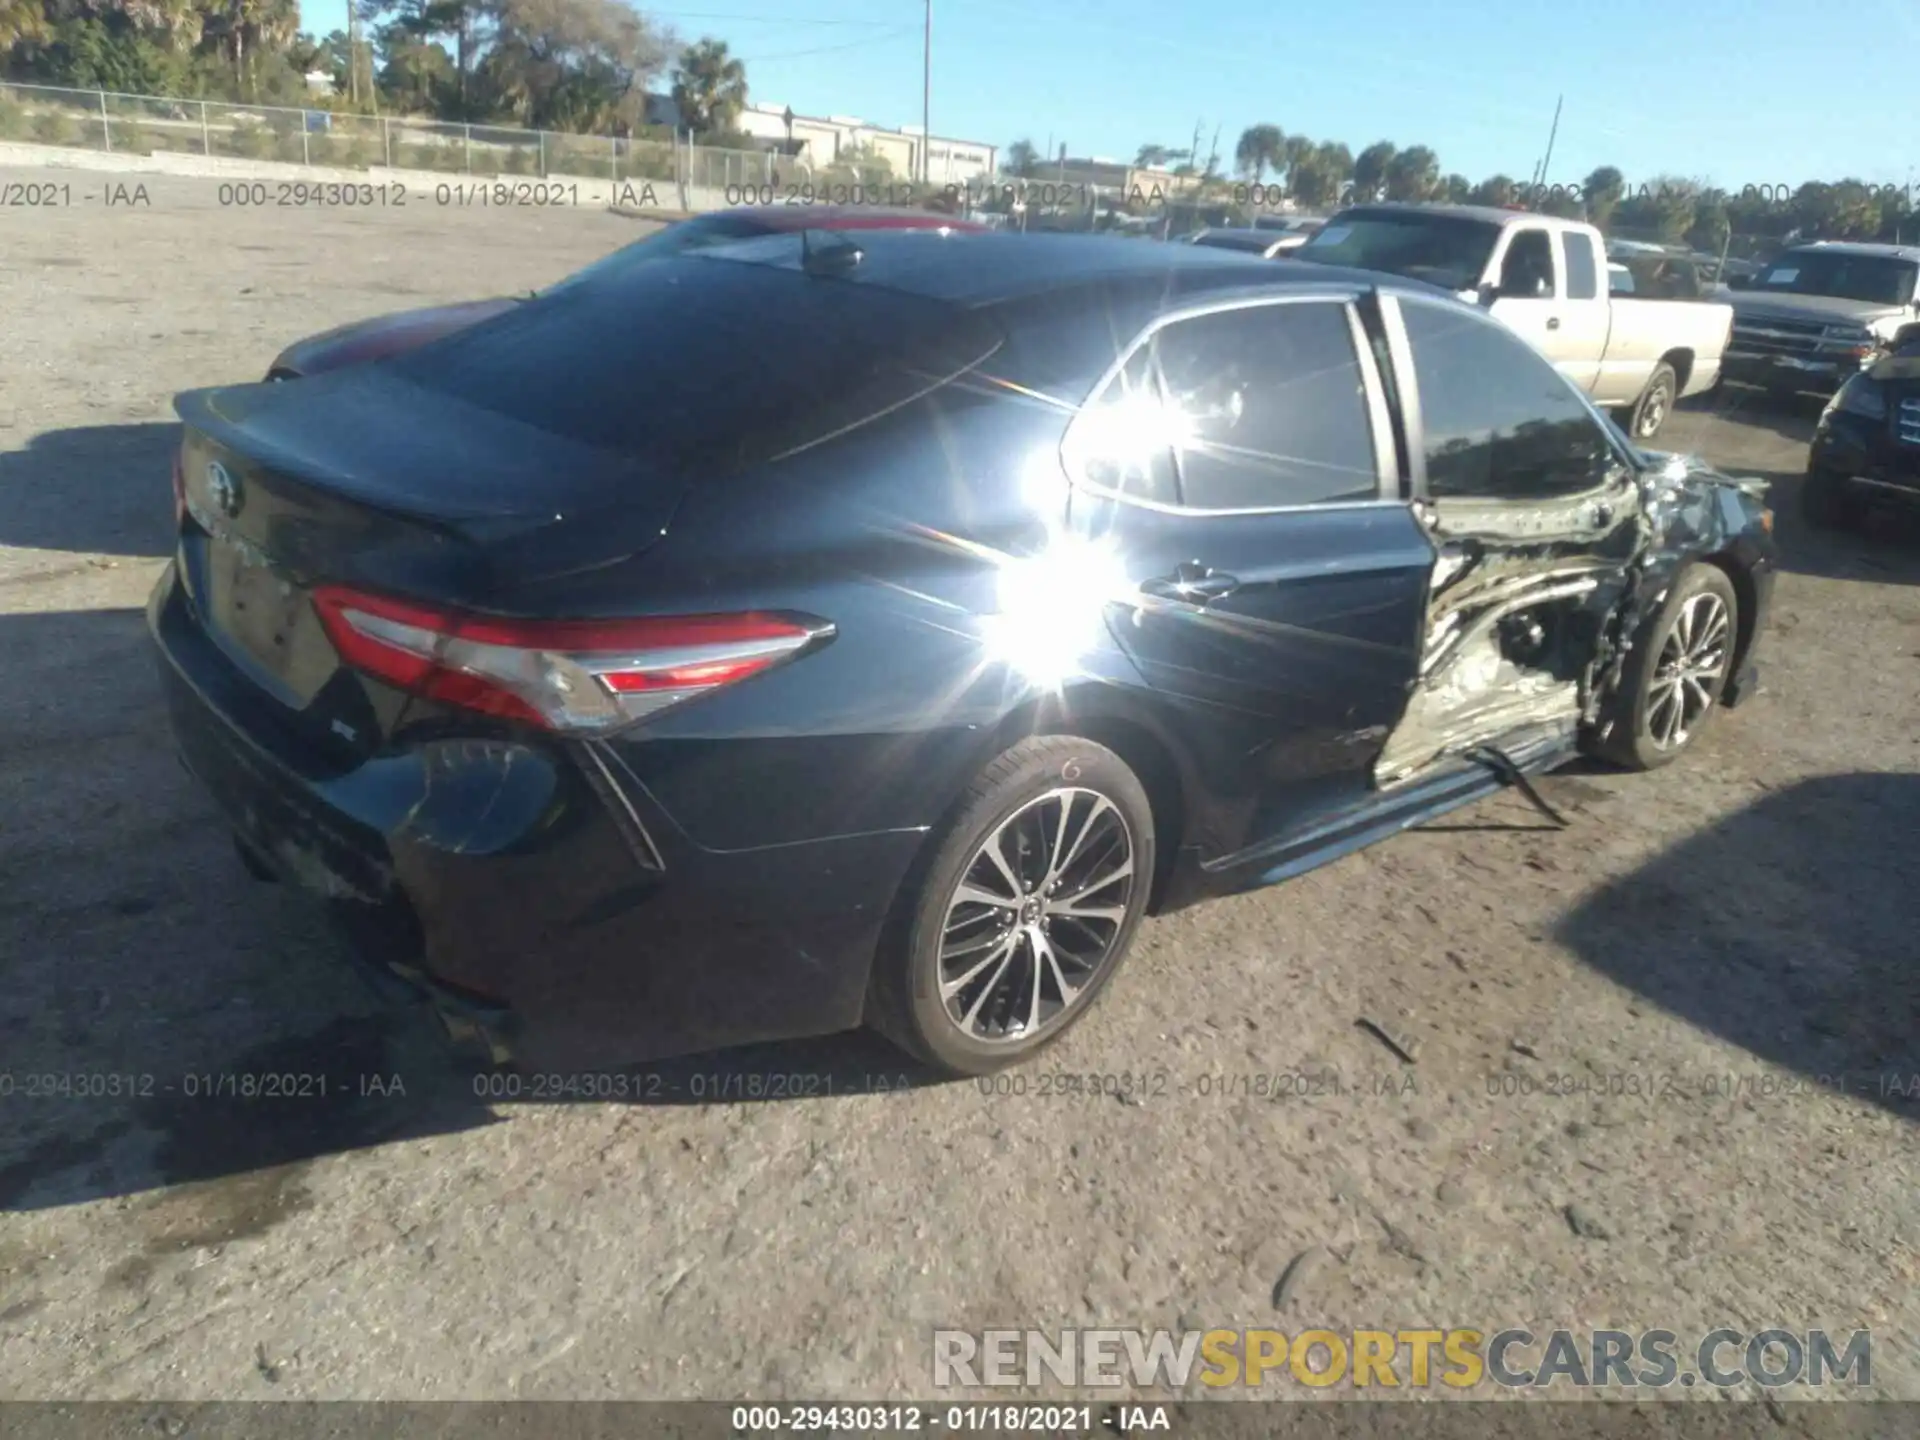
[
  {"x": 717, "y": 228},
  {"x": 1877, "y": 279},
  {"x": 1446, "y": 250},
  {"x": 703, "y": 363}
]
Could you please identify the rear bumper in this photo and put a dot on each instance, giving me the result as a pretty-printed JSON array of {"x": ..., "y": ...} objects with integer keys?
[{"x": 530, "y": 888}]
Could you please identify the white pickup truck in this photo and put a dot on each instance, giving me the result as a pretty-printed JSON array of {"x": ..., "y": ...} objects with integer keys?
[{"x": 1547, "y": 279}]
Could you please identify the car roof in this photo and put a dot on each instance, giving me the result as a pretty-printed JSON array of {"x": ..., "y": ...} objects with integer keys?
[
  {"x": 851, "y": 217},
  {"x": 986, "y": 267},
  {"x": 1858, "y": 247},
  {"x": 1492, "y": 214}
]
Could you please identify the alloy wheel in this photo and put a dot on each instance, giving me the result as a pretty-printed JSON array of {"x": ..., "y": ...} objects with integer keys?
[
  {"x": 1693, "y": 659},
  {"x": 1035, "y": 917}
]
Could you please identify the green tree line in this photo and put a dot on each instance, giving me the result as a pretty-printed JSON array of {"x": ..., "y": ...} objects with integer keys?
[
  {"x": 579, "y": 65},
  {"x": 1318, "y": 175}
]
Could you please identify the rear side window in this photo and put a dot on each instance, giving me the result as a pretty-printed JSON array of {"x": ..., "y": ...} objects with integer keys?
[
  {"x": 1252, "y": 408},
  {"x": 1583, "y": 265},
  {"x": 703, "y": 364},
  {"x": 1501, "y": 423}
]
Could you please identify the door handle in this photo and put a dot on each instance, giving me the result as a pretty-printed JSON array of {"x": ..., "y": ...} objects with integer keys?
[
  {"x": 1193, "y": 583},
  {"x": 1553, "y": 322}
]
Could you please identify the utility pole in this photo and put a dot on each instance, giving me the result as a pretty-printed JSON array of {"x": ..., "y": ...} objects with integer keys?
[
  {"x": 926, "y": 101},
  {"x": 1547, "y": 162}
]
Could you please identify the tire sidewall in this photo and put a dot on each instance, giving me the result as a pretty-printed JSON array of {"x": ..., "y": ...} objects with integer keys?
[
  {"x": 1662, "y": 381},
  {"x": 1637, "y": 746},
  {"x": 1040, "y": 765}
]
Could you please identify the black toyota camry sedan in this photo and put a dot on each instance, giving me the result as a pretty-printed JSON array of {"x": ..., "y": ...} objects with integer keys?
[{"x": 823, "y": 630}]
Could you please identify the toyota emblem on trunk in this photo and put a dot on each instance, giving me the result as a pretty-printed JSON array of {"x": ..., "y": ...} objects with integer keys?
[{"x": 224, "y": 489}]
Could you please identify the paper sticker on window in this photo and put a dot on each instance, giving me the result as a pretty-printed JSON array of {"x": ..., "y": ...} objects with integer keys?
[
  {"x": 1332, "y": 235},
  {"x": 1782, "y": 277}
]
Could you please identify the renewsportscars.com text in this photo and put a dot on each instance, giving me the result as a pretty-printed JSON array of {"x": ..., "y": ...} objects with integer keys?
[{"x": 1460, "y": 1359}]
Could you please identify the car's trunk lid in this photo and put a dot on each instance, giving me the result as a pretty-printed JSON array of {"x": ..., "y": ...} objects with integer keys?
[{"x": 361, "y": 479}]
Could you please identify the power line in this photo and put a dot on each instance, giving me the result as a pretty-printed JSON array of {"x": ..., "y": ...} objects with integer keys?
[
  {"x": 887, "y": 38},
  {"x": 760, "y": 19}
]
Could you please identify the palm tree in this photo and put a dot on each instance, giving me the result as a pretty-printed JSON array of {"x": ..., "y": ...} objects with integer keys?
[
  {"x": 249, "y": 26},
  {"x": 22, "y": 20},
  {"x": 709, "y": 87},
  {"x": 1494, "y": 190},
  {"x": 1315, "y": 179},
  {"x": 1413, "y": 174},
  {"x": 1370, "y": 169},
  {"x": 1603, "y": 191},
  {"x": 1021, "y": 159},
  {"x": 1261, "y": 147}
]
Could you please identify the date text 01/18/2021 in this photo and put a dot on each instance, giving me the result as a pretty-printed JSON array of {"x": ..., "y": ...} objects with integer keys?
[
  {"x": 264, "y": 1085},
  {"x": 1002, "y": 1419},
  {"x": 1144, "y": 1085}
]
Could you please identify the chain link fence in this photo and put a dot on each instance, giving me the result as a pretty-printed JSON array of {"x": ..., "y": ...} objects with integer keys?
[{"x": 147, "y": 125}]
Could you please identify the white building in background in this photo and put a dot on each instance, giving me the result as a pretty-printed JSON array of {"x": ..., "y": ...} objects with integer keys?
[{"x": 820, "y": 140}]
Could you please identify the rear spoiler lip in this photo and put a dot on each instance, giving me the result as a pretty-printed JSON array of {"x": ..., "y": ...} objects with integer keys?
[
  {"x": 519, "y": 531},
  {"x": 199, "y": 410}
]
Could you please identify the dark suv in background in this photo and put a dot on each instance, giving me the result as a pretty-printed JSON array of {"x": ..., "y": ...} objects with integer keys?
[
  {"x": 1867, "y": 447},
  {"x": 1818, "y": 314}
]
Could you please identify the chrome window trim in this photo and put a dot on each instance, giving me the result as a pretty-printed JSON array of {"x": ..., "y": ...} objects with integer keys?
[
  {"x": 1386, "y": 479},
  {"x": 1400, "y": 353},
  {"x": 1386, "y": 462}
]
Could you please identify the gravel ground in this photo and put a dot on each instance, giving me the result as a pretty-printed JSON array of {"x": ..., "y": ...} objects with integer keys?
[{"x": 1627, "y": 1021}]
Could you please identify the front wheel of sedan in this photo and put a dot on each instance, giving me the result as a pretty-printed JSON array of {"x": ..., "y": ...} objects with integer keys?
[
  {"x": 1025, "y": 911},
  {"x": 1673, "y": 680}
]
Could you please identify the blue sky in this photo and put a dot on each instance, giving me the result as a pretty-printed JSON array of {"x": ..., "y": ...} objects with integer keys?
[{"x": 1739, "y": 92}]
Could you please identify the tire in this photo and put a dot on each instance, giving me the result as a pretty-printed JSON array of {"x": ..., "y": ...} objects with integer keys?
[
  {"x": 1826, "y": 504},
  {"x": 1630, "y": 733},
  {"x": 987, "y": 1021},
  {"x": 1656, "y": 402}
]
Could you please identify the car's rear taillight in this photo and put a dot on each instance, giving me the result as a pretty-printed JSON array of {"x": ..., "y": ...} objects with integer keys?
[
  {"x": 575, "y": 676},
  {"x": 179, "y": 492}
]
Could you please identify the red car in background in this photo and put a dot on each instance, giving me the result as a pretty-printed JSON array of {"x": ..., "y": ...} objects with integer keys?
[{"x": 384, "y": 335}]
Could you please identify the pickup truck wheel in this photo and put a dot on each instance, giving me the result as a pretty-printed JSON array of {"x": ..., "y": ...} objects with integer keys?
[
  {"x": 1655, "y": 403},
  {"x": 1674, "y": 677}
]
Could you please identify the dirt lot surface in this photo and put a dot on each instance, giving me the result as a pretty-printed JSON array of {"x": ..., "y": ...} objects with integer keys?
[{"x": 1665, "y": 1069}]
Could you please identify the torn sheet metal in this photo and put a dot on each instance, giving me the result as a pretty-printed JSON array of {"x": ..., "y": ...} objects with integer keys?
[{"x": 1533, "y": 609}]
